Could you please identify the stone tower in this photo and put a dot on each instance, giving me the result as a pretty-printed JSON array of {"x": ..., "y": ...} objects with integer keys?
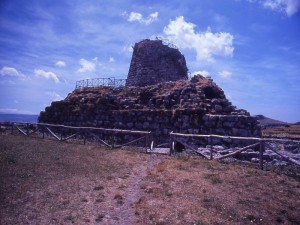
[{"x": 153, "y": 62}]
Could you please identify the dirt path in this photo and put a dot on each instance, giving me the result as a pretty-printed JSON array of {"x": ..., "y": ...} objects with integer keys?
[
  {"x": 124, "y": 213},
  {"x": 49, "y": 182}
]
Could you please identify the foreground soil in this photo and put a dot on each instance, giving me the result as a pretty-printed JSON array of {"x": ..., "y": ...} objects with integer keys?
[{"x": 49, "y": 182}]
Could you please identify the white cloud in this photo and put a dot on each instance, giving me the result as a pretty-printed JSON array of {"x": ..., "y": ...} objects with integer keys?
[
  {"x": 128, "y": 48},
  {"x": 153, "y": 16},
  {"x": 111, "y": 59},
  {"x": 60, "y": 64},
  {"x": 87, "y": 66},
  {"x": 290, "y": 7},
  {"x": 135, "y": 16},
  {"x": 206, "y": 44},
  {"x": 225, "y": 74},
  {"x": 201, "y": 72},
  {"x": 46, "y": 74},
  {"x": 10, "y": 71},
  {"x": 54, "y": 96}
]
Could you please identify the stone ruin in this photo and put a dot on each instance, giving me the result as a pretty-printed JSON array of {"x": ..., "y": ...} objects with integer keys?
[
  {"x": 157, "y": 97},
  {"x": 153, "y": 62}
]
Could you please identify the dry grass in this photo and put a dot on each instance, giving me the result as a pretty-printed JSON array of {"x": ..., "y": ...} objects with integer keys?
[
  {"x": 48, "y": 182},
  {"x": 287, "y": 131},
  {"x": 193, "y": 191}
]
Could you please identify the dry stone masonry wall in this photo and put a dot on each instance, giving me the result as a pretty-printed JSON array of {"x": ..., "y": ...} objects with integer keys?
[
  {"x": 197, "y": 106},
  {"x": 158, "y": 98},
  {"x": 153, "y": 62}
]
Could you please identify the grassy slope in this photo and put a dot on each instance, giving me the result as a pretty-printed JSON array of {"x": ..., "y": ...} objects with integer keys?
[
  {"x": 48, "y": 182},
  {"x": 291, "y": 131},
  {"x": 268, "y": 122}
]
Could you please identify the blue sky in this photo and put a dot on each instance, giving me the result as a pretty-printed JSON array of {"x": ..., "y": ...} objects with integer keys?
[{"x": 250, "y": 48}]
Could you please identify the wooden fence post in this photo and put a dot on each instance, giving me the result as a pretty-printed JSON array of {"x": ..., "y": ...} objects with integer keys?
[
  {"x": 113, "y": 140},
  {"x": 12, "y": 128},
  {"x": 84, "y": 137},
  {"x": 43, "y": 130},
  {"x": 146, "y": 142},
  {"x": 61, "y": 134},
  {"x": 211, "y": 149},
  {"x": 261, "y": 150},
  {"x": 27, "y": 129},
  {"x": 171, "y": 143}
]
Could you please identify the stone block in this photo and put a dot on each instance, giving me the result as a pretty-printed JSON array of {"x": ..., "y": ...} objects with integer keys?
[
  {"x": 229, "y": 124},
  {"x": 218, "y": 108}
]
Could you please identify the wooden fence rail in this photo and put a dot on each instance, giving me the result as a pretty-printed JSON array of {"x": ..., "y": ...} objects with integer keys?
[
  {"x": 259, "y": 142},
  {"x": 69, "y": 132},
  {"x": 64, "y": 133}
]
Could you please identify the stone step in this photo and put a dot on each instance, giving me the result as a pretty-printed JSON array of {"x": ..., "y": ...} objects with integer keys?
[{"x": 159, "y": 150}]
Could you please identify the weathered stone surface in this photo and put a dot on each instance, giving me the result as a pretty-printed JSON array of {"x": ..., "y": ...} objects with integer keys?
[
  {"x": 153, "y": 62},
  {"x": 150, "y": 108},
  {"x": 218, "y": 108},
  {"x": 158, "y": 98}
]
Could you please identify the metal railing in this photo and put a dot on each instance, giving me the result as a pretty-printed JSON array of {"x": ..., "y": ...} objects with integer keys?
[{"x": 98, "y": 82}]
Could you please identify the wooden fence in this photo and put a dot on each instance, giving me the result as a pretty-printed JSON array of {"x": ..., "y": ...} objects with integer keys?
[
  {"x": 174, "y": 137},
  {"x": 64, "y": 133}
]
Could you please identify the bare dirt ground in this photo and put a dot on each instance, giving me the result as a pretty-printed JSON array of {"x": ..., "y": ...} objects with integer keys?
[{"x": 49, "y": 182}]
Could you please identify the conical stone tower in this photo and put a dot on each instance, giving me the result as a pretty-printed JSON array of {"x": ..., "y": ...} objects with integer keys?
[{"x": 153, "y": 62}]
